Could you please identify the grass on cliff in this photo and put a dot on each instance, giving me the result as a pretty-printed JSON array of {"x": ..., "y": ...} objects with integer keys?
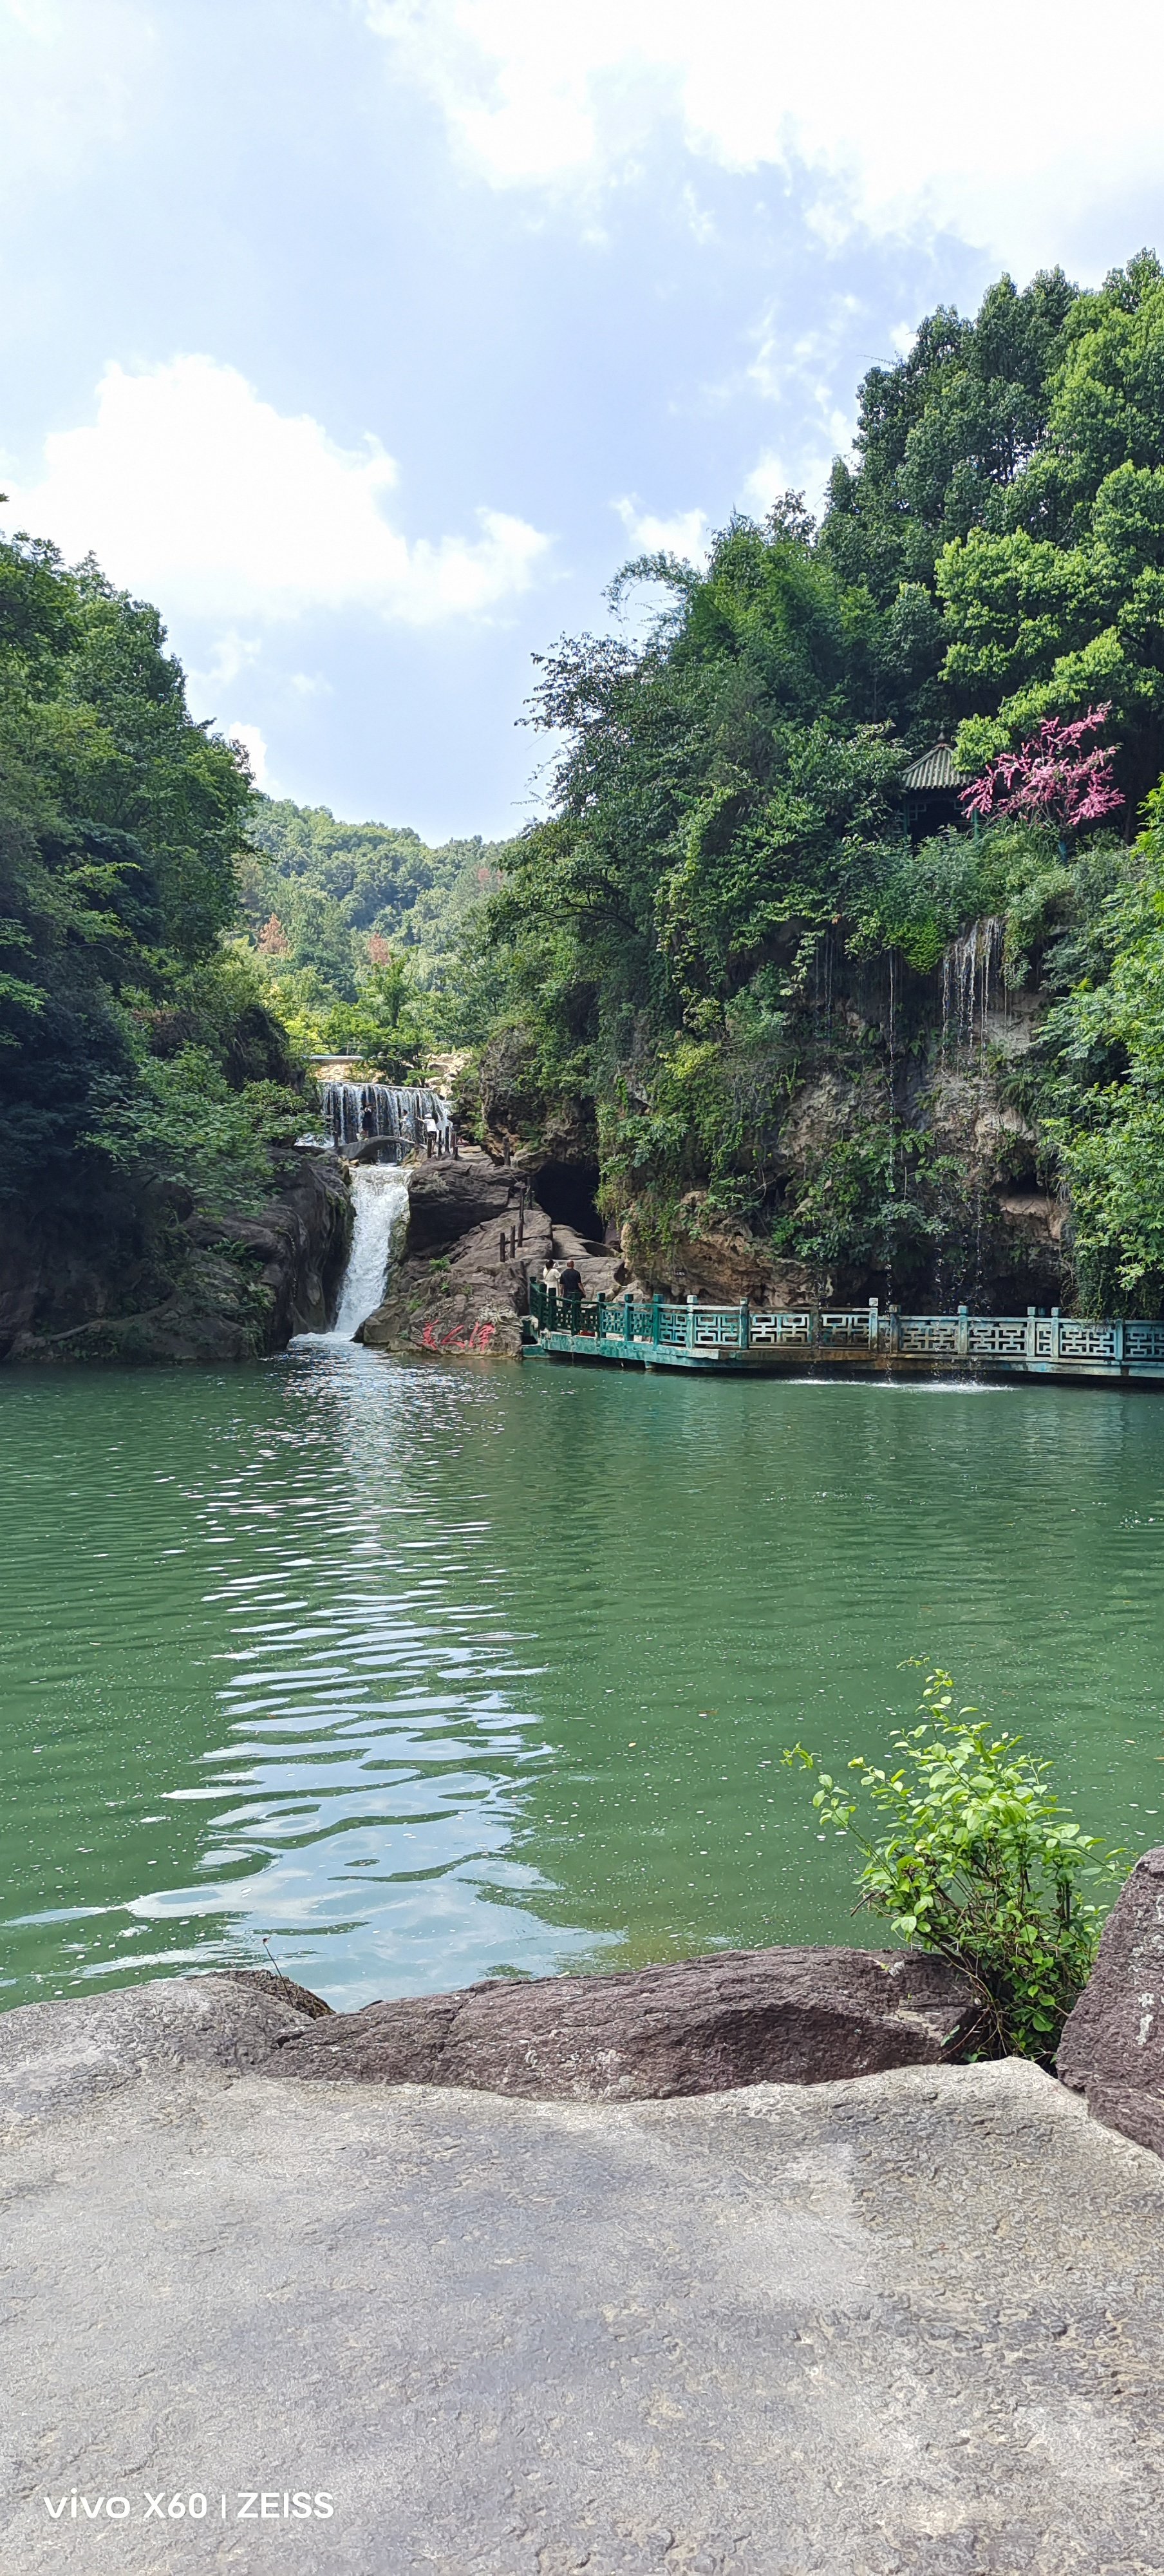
[{"x": 977, "y": 1863}]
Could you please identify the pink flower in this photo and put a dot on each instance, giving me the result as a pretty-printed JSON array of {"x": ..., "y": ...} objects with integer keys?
[{"x": 1051, "y": 779}]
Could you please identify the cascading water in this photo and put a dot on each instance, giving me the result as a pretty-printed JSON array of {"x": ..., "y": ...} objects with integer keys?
[
  {"x": 380, "y": 1199},
  {"x": 390, "y": 1111},
  {"x": 970, "y": 972}
]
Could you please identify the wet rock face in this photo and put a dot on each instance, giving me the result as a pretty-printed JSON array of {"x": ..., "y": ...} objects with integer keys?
[
  {"x": 237, "y": 1289},
  {"x": 1112, "y": 2047},
  {"x": 716, "y": 1261},
  {"x": 701, "y": 2026}
]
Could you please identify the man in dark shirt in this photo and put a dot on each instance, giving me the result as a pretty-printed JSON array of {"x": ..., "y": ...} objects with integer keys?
[{"x": 570, "y": 1280}]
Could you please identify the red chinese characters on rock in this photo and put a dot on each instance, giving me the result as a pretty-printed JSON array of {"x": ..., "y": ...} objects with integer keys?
[{"x": 481, "y": 1337}]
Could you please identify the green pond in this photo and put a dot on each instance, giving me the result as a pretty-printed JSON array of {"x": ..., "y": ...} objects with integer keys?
[{"x": 430, "y": 1672}]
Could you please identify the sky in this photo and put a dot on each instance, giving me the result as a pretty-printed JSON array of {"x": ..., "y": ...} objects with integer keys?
[{"x": 369, "y": 337}]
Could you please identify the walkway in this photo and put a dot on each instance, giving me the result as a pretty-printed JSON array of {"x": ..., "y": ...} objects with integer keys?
[{"x": 659, "y": 1334}]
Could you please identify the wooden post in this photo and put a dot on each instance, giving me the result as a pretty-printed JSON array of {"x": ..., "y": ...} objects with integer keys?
[
  {"x": 503, "y": 1243},
  {"x": 963, "y": 1341},
  {"x": 690, "y": 1320},
  {"x": 628, "y": 1323},
  {"x": 745, "y": 1325},
  {"x": 874, "y": 1321},
  {"x": 1031, "y": 1334},
  {"x": 1055, "y": 1341},
  {"x": 1117, "y": 1332},
  {"x": 601, "y": 1315},
  {"x": 657, "y": 1318}
]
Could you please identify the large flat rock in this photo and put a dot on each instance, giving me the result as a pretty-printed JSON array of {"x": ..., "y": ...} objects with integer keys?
[
  {"x": 907, "y": 2325},
  {"x": 703, "y": 2025}
]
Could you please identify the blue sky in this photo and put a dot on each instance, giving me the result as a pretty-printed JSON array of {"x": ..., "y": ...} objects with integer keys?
[{"x": 367, "y": 337}]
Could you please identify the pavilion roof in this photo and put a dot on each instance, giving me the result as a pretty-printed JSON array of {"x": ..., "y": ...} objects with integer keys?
[{"x": 934, "y": 771}]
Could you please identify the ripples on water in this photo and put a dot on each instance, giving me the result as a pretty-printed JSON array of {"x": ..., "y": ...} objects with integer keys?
[{"x": 428, "y": 1672}]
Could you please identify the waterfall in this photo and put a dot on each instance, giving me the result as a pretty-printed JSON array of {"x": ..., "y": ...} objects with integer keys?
[
  {"x": 393, "y": 1112},
  {"x": 969, "y": 968},
  {"x": 380, "y": 1197}
]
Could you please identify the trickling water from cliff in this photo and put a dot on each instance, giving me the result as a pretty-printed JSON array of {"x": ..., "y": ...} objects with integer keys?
[
  {"x": 970, "y": 971},
  {"x": 380, "y": 1198},
  {"x": 391, "y": 1111}
]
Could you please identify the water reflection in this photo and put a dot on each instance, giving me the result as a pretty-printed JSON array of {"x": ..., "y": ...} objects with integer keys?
[{"x": 426, "y": 1671}]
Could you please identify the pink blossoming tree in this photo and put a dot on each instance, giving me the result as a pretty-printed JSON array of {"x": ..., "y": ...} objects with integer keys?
[{"x": 1051, "y": 778}]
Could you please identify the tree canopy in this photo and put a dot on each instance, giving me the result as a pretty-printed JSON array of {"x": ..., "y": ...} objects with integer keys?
[
  {"x": 120, "y": 824},
  {"x": 728, "y": 835}
]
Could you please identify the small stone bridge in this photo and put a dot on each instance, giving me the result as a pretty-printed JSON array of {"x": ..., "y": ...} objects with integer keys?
[{"x": 653, "y": 1333}]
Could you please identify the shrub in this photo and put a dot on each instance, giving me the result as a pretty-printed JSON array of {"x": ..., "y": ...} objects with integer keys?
[{"x": 979, "y": 1864}]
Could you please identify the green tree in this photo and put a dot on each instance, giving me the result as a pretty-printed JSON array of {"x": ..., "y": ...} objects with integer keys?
[
  {"x": 120, "y": 820},
  {"x": 1057, "y": 600},
  {"x": 1103, "y": 1103},
  {"x": 389, "y": 1024}
]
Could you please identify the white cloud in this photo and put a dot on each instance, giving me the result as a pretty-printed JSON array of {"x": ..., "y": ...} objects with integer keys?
[
  {"x": 1020, "y": 128},
  {"x": 192, "y": 490},
  {"x": 76, "y": 78},
  {"x": 771, "y": 477},
  {"x": 767, "y": 480},
  {"x": 231, "y": 655},
  {"x": 684, "y": 534},
  {"x": 254, "y": 745}
]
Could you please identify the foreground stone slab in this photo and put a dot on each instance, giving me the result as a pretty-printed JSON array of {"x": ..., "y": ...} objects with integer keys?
[
  {"x": 911, "y": 2325},
  {"x": 697, "y": 2026},
  {"x": 1112, "y": 2047},
  {"x": 54, "y": 2057}
]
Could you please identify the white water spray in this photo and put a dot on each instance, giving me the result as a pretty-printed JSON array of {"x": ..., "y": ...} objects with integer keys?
[{"x": 380, "y": 1199}]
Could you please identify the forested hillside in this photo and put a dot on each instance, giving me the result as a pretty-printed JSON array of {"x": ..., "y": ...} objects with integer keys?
[
  {"x": 355, "y": 928},
  {"x": 145, "y": 1089},
  {"x": 799, "y": 1021}
]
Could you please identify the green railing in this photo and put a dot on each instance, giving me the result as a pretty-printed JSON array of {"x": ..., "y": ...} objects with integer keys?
[
  {"x": 872, "y": 1331},
  {"x": 628, "y": 1319}
]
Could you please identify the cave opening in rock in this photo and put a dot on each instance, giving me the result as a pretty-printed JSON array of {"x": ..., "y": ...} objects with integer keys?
[{"x": 566, "y": 1193}]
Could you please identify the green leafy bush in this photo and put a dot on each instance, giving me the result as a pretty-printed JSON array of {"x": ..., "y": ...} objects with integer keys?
[
  {"x": 977, "y": 1863},
  {"x": 184, "y": 1123}
]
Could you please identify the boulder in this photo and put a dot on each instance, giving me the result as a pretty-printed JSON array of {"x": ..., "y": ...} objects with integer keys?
[
  {"x": 453, "y": 1292},
  {"x": 447, "y": 1199},
  {"x": 701, "y": 2026},
  {"x": 1112, "y": 2048}
]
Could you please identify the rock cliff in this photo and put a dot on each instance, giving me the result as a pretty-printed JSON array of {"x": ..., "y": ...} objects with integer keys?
[
  {"x": 456, "y": 1289},
  {"x": 170, "y": 1285},
  {"x": 891, "y": 1161}
]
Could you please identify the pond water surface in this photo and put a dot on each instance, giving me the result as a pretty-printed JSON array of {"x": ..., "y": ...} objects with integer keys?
[{"x": 430, "y": 1672}]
